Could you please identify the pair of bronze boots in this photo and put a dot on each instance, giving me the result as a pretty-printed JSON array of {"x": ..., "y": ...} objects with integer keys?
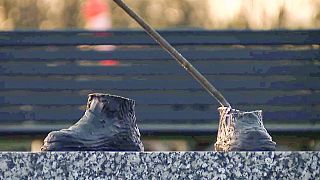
[{"x": 109, "y": 124}]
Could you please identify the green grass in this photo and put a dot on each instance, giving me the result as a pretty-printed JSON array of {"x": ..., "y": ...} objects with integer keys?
[{"x": 15, "y": 143}]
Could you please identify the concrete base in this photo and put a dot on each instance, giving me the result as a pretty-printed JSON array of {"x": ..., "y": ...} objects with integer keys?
[{"x": 160, "y": 165}]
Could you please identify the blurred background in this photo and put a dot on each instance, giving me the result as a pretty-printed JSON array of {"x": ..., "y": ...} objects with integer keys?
[
  {"x": 162, "y": 14},
  {"x": 209, "y": 14}
]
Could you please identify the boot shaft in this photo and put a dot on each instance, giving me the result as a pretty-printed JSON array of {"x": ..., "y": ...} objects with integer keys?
[{"x": 111, "y": 106}]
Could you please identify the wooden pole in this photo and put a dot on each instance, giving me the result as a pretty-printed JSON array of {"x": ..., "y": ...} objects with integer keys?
[{"x": 175, "y": 54}]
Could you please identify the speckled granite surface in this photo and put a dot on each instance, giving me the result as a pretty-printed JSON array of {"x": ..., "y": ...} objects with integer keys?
[{"x": 160, "y": 165}]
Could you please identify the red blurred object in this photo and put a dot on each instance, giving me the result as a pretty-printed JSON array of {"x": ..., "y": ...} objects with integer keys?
[
  {"x": 92, "y": 8},
  {"x": 102, "y": 34},
  {"x": 109, "y": 62},
  {"x": 97, "y": 17}
]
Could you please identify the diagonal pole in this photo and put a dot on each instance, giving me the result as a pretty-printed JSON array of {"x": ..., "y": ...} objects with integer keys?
[{"x": 176, "y": 55}]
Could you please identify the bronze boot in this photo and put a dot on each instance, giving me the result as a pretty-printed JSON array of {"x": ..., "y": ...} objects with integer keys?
[
  {"x": 242, "y": 131},
  {"x": 109, "y": 124}
]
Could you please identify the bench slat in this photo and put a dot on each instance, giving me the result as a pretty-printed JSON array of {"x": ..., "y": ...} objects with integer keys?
[
  {"x": 158, "y": 82},
  {"x": 158, "y": 54},
  {"x": 177, "y": 97},
  {"x": 162, "y": 114},
  {"x": 165, "y": 67},
  {"x": 165, "y": 130},
  {"x": 175, "y": 37}
]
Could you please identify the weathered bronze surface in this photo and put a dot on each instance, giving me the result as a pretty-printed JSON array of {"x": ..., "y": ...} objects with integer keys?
[
  {"x": 109, "y": 124},
  {"x": 242, "y": 131}
]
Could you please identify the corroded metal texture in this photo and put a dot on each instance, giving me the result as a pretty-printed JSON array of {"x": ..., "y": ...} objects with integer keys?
[
  {"x": 109, "y": 124},
  {"x": 242, "y": 131}
]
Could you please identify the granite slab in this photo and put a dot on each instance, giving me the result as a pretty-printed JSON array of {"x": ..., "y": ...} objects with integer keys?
[{"x": 160, "y": 165}]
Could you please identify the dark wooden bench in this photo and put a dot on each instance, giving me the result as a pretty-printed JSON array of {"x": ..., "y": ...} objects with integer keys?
[{"x": 46, "y": 76}]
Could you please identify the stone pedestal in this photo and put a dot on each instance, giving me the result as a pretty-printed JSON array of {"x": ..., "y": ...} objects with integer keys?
[{"x": 160, "y": 165}]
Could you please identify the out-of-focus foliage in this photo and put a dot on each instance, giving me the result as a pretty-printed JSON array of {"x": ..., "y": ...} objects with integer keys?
[
  {"x": 39, "y": 14},
  {"x": 210, "y": 14}
]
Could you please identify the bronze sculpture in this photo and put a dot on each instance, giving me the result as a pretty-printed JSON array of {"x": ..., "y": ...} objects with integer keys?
[
  {"x": 109, "y": 124},
  {"x": 242, "y": 131}
]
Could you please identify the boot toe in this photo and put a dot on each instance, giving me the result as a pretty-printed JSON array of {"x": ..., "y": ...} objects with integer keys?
[
  {"x": 60, "y": 140},
  {"x": 56, "y": 136}
]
